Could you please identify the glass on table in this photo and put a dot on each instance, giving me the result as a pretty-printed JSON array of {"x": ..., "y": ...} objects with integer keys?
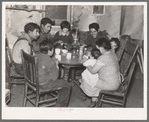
[
  {"x": 75, "y": 52},
  {"x": 68, "y": 56},
  {"x": 57, "y": 51}
]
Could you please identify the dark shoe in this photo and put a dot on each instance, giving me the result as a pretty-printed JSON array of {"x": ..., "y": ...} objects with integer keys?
[
  {"x": 83, "y": 97},
  {"x": 93, "y": 104}
]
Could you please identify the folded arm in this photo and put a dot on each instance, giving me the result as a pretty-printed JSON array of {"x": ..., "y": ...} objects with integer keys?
[{"x": 95, "y": 69}]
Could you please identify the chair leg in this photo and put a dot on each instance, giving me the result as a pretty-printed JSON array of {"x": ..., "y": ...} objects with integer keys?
[
  {"x": 36, "y": 101},
  {"x": 24, "y": 101},
  {"x": 11, "y": 80},
  {"x": 25, "y": 94},
  {"x": 98, "y": 104},
  {"x": 124, "y": 102}
]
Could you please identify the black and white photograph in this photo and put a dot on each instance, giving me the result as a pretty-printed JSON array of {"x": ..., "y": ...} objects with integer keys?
[{"x": 74, "y": 60}]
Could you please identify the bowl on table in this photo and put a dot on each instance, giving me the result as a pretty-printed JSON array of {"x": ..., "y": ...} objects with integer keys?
[{"x": 64, "y": 51}]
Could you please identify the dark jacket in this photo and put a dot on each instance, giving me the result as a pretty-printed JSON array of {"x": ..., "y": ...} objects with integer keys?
[{"x": 92, "y": 41}]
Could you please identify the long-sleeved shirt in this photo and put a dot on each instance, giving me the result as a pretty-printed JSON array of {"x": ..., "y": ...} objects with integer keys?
[
  {"x": 41, "y": 38},
  {"x": 65, "y": 38},
  {"x": 92, "y": 41},
  {"x": 47, "y": 69}
]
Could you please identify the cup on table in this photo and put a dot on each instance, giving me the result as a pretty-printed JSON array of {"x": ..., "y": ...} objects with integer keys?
[
  {"x": 58, "y": 57},
  {"x": 57, "y": 51},
  {"x": 68, "y": 56}
]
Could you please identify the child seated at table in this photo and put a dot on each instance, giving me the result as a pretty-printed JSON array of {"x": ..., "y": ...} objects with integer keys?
[
  {"x": 88, "y": 77},
  {"x": 64, "y": 37},
  {"x": 115, "y": 44},
  {"x": 48, "y": 73},
  {"x": 87, "y": 51}
]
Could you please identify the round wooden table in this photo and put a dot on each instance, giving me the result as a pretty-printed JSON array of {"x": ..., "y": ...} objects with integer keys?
[{"x": 70, "y": 66}]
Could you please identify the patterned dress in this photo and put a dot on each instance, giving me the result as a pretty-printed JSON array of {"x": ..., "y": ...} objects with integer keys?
[{"x": 109, "y": 78}]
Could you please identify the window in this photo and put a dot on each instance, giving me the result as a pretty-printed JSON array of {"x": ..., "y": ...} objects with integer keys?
[{"x": 57, "y": 13}]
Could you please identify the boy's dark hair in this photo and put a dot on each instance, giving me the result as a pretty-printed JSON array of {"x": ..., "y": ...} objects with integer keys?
[
  {"x": 95, "y": 53},
  {"x": 116, "y": 40},
  {"x": 95, "y": 26},
  {"x": 103, "y": 42},
  {"x": 73, "y": 31},
  {"x": 31, "y": 27},
  {"x": 45, "y": 21},
  {"x": 65, "y": 24},
  {"x": 45, "y": 45}
]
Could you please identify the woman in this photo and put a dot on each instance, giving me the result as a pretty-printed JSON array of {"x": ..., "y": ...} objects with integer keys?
[
  {"x": 48, "y": 74},
  {"x": 107, "y": 68},
  {"x": 64, "y": 35}
]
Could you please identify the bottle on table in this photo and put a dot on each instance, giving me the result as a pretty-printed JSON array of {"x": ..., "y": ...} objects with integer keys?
[{"x": 81, "y": 52}]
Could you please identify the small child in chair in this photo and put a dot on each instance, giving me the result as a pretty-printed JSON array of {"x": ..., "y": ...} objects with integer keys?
[{"x": 88, "y": 77}]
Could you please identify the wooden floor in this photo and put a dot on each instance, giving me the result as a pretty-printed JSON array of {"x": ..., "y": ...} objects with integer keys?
[{"x": 134, "y": 100}]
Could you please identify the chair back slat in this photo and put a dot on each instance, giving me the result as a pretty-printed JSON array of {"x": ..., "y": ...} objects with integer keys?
[
  {"x": 127, "y": 56},
  {"x": 30, "y": 69},
  {"x": 125, "y": 85},
  {"x": 7, "y": 65},
  {"x": 8, "y": 51},
  {"x": 130, "y": 48}
]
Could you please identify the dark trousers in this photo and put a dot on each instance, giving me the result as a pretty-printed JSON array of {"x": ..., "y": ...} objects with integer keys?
[
  {"x": 63, "y": 94},
  {"x": 63, "y": 97},
  {"x": 19, "y": 68}
]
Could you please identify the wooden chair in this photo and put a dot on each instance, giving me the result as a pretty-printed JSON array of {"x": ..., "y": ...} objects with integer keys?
[
  {"x": 127, "y": 66},
  {"x": 14, "y": 78},
  {"x": 128, "y": 55},
  {"x": 31, "y": 90}
]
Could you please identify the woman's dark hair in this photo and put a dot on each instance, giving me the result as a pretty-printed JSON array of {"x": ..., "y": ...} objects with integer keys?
[
  {"x": 31, "y": 27},
  {"x": 45, "y": 21},
  {"x": 103, "y": 42},
  {"x": 95, "y": 53},
  {"x": 116, "y": 40},
  {"x": 65, "y": 24},
  {"x": 45, "y": 45},
  {"x": 89, "y": 47},
  {"x": 95, "y": 26}
]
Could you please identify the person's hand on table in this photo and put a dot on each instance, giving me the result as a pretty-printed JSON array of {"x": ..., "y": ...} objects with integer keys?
[
  {"x": 84, "y": 59},
  {"x": 60, "y": 42},
  {"x": 84, "y": 45}
]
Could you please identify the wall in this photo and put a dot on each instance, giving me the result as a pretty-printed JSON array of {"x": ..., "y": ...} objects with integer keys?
[
  {"x": 134, "y": 22},
  {"x": 109, "y": 22},
  {"x": 82, "y": 17},
  {"x": 16, "y": 19}
]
